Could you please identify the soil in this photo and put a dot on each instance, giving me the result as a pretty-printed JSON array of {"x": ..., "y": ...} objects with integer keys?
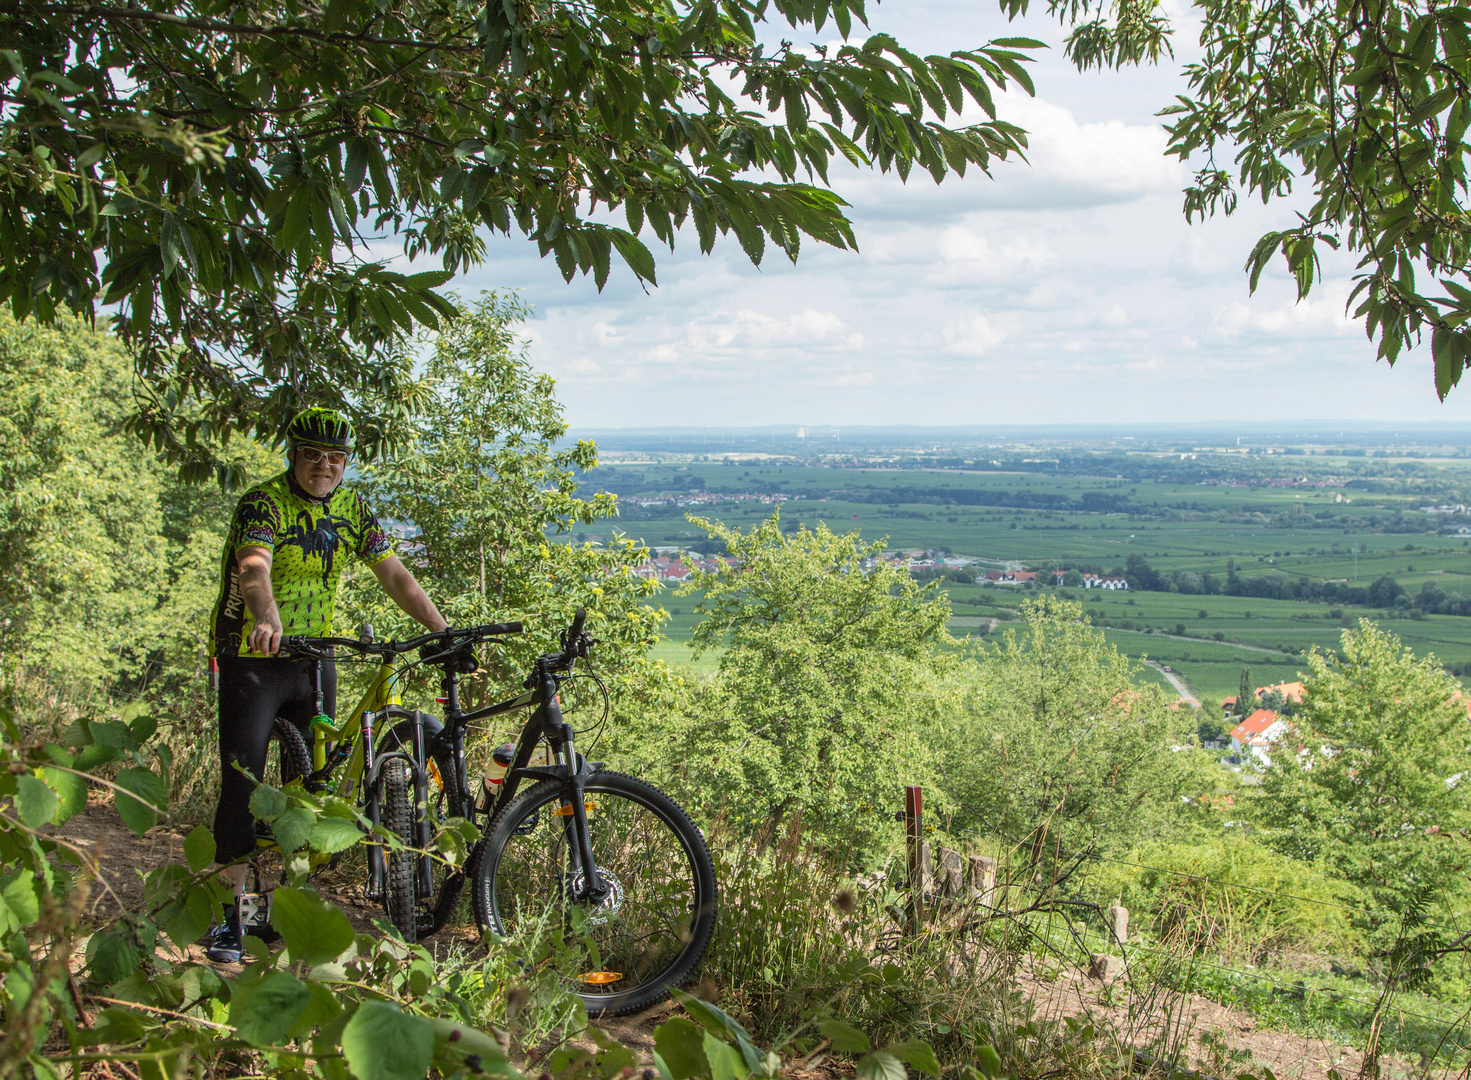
[{"x": 1136, "y": 1019}]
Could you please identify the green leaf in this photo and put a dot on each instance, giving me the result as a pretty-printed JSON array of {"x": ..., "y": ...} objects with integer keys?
[
  {"x": 115, "y": 1026},
  {"x": 91, "y": 156},
  {"x": 71, "y": 789},
  {"x": 381, "y": 1042},
  {"x": 187, "y": 917},
  {"x": 267, "y": 803},
  {"x": 881, "y": 1066},
  {"x": 199, "y": 848},
  {"x": 148, "y": 794},
  {"x": 314, "y": 931},
  {"x": 725, "y": 1061},
  {"x": 681, "y": 1043},
  {"x": 297, "y": 220},
  {"x": 268, "y": 1012},
  {"x": 35, "y": 802},
  {"x": 333, "y": 834},
  {"x": 22, "y": 905},
  {"x": 988, "y": 1061},
  {"x": 845, "y": 1038},
  {"x": 292, "y": 828},
  {"x": 111, "y": 958},
  {"x": 917, "y": 1053},
  {"x": 112, "y": 733},
  {"x": 357, "y": 163}
]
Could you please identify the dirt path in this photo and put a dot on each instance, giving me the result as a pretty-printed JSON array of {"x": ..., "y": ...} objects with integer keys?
[
  {"x": 1178, "y": 683},
  {"x": 1136, "y": 1016}
]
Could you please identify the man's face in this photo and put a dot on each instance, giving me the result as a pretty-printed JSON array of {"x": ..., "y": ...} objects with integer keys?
[{"x": 319, "y": 469}]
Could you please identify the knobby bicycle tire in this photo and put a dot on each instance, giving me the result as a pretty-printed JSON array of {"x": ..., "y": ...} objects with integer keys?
[
  {"x": 649, "y": 933},
  {"x": 287, "y": 757},
  {"x": 399, "y": 894}
]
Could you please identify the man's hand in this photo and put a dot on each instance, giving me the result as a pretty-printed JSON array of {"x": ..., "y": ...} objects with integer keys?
[
  {"x": 255, "y": 586},
  {"x": 265, "y": 635}
]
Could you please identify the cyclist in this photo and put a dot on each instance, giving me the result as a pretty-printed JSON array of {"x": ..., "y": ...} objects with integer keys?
[{"x": 283, "y": 557}]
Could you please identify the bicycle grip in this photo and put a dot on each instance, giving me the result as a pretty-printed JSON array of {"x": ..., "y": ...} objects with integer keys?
[{"x": 502, "y": 628}]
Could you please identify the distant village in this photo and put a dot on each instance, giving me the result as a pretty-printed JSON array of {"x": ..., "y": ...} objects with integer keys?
[{"x": 676, "y": 565}]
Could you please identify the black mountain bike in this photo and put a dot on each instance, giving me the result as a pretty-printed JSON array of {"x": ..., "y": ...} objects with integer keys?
[{"x": 603, "y": 855}]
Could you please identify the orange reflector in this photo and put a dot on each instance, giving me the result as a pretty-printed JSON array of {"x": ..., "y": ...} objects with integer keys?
[
  {"x": 434, "y": 774},
  {"x": 601, "y": 978},
  {"x": 566, "y": 811}
]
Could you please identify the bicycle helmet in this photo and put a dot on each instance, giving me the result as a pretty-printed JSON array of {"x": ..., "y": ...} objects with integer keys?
[{"x": 320, "y": 427}]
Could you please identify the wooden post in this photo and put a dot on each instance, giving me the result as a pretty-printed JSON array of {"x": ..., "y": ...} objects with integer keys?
[{"x": 915, "y": 854}]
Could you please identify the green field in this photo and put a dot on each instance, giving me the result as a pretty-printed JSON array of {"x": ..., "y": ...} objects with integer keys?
[{"x": 1370, "y": 523}]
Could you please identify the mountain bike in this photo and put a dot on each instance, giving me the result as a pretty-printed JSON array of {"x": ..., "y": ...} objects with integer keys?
[
  {"x": 403, "y": 767},
  {"x": 600, "y": 853}
]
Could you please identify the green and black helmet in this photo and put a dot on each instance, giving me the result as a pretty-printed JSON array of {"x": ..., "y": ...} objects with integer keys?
[{"x": 320, "y": 427}]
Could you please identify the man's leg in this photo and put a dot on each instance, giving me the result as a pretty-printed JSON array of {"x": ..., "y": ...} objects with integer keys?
[{"x": 251, "y": 696}]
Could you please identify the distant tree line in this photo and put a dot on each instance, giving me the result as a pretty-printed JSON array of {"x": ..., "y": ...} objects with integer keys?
[
  {"x": 1095, "y": 502},
  {"x": 1383, "y": 592}
]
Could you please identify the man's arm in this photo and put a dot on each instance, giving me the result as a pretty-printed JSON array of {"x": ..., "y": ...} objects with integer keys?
[
  {"x": 255, "y": 587},
  {"x": 407, "y": 593}
]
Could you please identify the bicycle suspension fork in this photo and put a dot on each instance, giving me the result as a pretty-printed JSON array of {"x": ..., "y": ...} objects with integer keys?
[{"x": 579, "y": 835}]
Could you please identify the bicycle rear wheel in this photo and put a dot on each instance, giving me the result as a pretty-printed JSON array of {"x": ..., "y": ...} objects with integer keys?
[
  {"x": 400, "y": 892},
  {"x": 649, "y": 932}
]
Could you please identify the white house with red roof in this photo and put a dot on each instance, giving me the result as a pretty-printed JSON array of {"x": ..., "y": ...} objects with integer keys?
[{"x": 1258, "y": 733}]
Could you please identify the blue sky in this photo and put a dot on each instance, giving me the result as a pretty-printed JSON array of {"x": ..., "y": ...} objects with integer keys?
[{"x": 1067, "y": 290}]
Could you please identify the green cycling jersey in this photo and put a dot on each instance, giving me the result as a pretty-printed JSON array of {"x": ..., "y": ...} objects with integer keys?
[{"x": 308, "y": 538}]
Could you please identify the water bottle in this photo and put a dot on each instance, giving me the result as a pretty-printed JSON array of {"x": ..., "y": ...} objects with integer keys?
[{"x": 500, "y": 763}]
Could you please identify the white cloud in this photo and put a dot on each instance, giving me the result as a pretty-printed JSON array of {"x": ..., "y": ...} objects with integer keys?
[{"x": 971, "y": 335}]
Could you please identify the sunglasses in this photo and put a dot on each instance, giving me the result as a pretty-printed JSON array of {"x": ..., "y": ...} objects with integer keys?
[{"x": 312, "y": 456}]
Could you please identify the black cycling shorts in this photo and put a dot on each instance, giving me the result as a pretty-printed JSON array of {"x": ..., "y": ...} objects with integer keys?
[{"x": 253, "y": 692}]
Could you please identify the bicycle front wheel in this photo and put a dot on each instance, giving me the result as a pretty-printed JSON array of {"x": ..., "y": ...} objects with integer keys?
[{"x": 649, "y": 931}]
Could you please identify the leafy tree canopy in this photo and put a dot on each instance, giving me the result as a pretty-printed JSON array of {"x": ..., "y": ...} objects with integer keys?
[
  {"x": 480, "y": 488},
  {"x": 226, "y": 175},
  {"x": 825, "y": 669},
  {"x": 1367, "y": 104},
  {"x": 1373, "y": 783}
]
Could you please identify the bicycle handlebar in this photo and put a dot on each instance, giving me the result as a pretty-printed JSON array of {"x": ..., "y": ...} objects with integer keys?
[{"x": 449, "y": 638}]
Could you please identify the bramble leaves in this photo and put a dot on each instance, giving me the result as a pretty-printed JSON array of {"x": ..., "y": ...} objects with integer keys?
[
  {"x": 142, "y": 798},
  {"x": 35, "y": 803},
  {"x": 264, "y": 1013},
  {"x": 314, "y": 931},
  {"x": 381, "y": 1042},
  {"x": 199, "y": 848}
]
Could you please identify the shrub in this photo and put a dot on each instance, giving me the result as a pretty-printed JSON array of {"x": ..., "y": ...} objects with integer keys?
[{"x": 1230, "y": 897}]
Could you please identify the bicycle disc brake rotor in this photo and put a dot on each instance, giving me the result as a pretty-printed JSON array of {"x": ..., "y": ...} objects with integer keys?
[{"x": 597, "y": 914}]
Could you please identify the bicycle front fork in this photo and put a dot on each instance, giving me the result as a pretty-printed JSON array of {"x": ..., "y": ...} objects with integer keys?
[{"x": 579, "y": 835}]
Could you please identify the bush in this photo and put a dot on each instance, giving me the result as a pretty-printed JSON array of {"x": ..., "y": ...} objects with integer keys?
[{"x": 1230, "y": 897}]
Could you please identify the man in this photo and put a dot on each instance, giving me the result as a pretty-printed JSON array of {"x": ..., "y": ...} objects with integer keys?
[{"x": 282, "y": 561}]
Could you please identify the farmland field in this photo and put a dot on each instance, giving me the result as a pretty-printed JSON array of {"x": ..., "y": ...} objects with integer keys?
[{"x": 1339, "y": 516}]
